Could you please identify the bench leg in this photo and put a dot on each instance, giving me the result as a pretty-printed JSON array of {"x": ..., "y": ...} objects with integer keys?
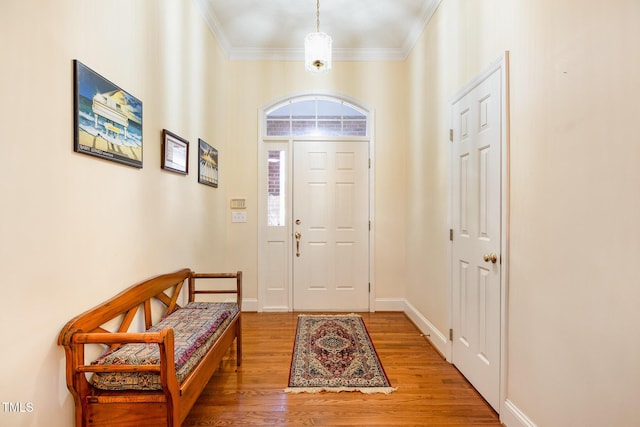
[{"x": 238, "y": 343}]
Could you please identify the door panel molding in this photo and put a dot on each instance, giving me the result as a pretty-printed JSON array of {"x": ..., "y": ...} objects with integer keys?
[
  {"x": 501, "y": 67},
  {"x": 331, "y": 215}
]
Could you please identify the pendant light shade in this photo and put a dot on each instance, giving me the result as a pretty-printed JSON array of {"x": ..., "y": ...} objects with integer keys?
[
  {"x": 317, "y": 52},
  {"x": 317, "y": 48}
]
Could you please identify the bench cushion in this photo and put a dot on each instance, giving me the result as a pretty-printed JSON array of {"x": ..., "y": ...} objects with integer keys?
[{"x": 196, "y": 328}]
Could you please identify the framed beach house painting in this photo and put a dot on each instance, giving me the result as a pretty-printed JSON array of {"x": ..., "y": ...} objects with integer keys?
[
  {"x": 107, "y": 119},
  {"x": 207, "y": 164}
]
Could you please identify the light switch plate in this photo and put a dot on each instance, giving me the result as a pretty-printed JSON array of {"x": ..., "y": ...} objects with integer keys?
[{"x": 240, "y": 216}]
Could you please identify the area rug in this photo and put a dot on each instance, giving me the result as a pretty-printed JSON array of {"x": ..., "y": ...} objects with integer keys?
[{"x": 334, "y": 353}]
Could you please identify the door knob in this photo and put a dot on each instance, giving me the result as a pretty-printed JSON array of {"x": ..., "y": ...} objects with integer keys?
[
  {"x": 490, "y": 257},
  {"x": 298, "y": 235}
]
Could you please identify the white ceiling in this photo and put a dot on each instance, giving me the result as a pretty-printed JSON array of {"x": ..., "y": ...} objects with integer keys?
[{"x": 362, "y": 30}]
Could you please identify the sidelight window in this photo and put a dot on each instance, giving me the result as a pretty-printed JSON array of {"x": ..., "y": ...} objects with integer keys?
[{"x": 275, "y": 188}]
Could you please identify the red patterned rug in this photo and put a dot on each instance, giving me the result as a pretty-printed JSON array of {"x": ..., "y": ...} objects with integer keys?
[{"x": 335, "y": 353}]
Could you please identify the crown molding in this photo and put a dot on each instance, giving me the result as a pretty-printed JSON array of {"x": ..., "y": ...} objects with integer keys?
[
  {"x": 426, "y": 14},
  {"x": 297, "y": 54},
  {"x": 214, "y": 26}
]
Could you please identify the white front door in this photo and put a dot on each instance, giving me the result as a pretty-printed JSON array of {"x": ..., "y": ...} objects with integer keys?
[
  {"x": 476, "y": 221},
  {"x": 331, "y": 225}
]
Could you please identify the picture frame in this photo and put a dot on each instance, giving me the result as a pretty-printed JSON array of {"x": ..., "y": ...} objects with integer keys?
[
  {"x": 207, "y": 164},
  {"x": 107, "y": 119},
  {"x": 175, "y": 153}
]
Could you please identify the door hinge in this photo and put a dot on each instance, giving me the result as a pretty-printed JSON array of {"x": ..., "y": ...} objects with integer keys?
[
  {"x": 369, "y": 287},
  {"x": 450, "y": 334},
  {"x": 451, "y": 135},
  {"x": 369, "y": 163},
  {"x": 369, "y": 225},
  {"x": 451, "y": 234}
]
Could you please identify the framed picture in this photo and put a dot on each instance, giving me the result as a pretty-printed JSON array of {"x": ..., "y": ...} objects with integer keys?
[
  {"x": 107, "y": 119},
  {"x": 207, "y": 164},
  {"x": 175, "y": 153}
]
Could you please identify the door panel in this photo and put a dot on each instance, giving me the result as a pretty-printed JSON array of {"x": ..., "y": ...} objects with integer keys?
[
  {"x": 331, "y": 204},
  {"x": 476, "y": 281}
]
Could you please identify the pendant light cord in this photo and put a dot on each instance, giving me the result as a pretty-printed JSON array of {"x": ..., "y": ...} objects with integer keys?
[{"x": 317, "y": 16}]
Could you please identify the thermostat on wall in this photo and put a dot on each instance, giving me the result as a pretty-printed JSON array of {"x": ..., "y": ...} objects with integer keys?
[{"x": 238, "y": 204}]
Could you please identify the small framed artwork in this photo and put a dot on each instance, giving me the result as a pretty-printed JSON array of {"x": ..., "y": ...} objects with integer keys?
[
  {"x": 207, "y": 164},
  {"x": 107, "y": 119},
  {"x": 175, "y": 153}
]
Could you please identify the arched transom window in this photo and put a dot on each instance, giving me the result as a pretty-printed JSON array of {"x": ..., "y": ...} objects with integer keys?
[{"x": 316, "y": 116}]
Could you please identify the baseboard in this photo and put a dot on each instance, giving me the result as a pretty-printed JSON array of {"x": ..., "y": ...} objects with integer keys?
[
  {"x": 381, "y": 304},
  {"x": 437, "y": 338},
  {"x": 275, "y": 309},
  {"x": 512, "y": 416},
  {"x": 249, "y": 304},
  {"x": 390, "y": 304}
]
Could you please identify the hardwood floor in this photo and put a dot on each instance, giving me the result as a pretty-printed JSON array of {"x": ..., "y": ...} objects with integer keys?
[{"x": 431, "y": 392}]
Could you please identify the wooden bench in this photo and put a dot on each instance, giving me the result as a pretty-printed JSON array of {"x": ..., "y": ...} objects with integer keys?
[{"x": 154, "y": 299}]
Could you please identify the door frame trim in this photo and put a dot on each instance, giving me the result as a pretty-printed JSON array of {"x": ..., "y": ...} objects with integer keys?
[
  {"x": 288, "y": 142},
  {"x": 501, "y": 65}
]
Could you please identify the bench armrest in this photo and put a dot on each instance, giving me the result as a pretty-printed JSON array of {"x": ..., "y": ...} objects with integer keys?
[
  {"x": 163, "y": 338},
  {"x": 120, "y": 337},
  {"x": 238, "y": 290}
]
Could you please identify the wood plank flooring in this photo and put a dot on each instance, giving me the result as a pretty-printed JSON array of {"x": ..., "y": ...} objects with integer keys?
[{"x": 431, "y": 392}]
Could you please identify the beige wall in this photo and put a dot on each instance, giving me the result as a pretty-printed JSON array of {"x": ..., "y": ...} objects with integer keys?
[
  {"x": 379, "y": 86},
  {"x": 574, "y": 201},
  {"x": 75, "y": 230}
]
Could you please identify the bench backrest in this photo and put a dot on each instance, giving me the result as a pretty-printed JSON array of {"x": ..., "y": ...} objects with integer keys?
[{"x": 127, "y": 304}]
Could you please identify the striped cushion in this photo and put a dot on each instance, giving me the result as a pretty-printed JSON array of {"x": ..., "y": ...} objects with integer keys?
[{"x": 196, "y": 328}]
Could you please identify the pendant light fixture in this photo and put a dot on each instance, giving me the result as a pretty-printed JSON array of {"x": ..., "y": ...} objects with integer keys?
[{"x": 317, "y": 48}]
